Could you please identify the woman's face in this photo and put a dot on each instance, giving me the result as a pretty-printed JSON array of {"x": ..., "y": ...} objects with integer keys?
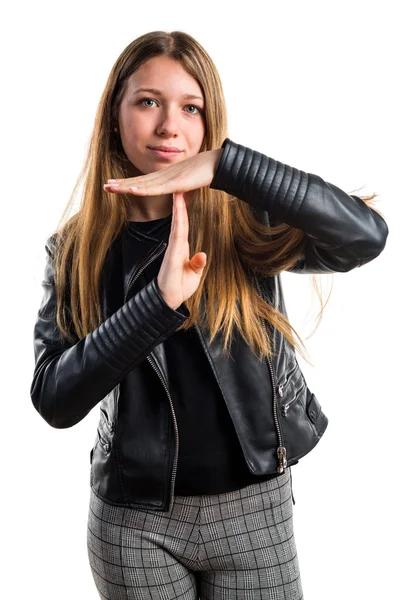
[{"x": 170, "y": 114}]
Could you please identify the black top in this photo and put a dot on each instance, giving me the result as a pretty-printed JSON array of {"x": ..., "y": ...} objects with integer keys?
[{"x": 210, "y": 457}]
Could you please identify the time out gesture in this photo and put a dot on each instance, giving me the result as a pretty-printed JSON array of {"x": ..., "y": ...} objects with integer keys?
[{"x": 179, "y": 275}]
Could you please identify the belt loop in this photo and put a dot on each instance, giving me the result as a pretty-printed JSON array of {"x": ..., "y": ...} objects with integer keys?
[{"x": 291, "y": 485}]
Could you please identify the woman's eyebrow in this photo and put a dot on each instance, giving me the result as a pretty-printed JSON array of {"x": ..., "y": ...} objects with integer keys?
[{"x": 159, "y": 93}]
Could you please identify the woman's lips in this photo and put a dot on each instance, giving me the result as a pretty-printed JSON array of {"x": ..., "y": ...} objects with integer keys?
[{"x": 163, "y": 154}]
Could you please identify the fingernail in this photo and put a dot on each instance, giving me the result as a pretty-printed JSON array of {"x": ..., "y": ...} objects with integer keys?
[
  {"x": 111, "y": 180},
  {"x": 134, "y": 187}
]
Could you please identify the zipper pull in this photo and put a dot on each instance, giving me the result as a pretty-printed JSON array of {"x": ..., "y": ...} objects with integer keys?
[
  {"x": 280, "y": 390},
  {"x": 282, "y": 462},
  {"x": 285, "y": 409}
]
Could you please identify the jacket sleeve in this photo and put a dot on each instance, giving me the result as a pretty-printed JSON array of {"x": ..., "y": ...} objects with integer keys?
[
  {"x": 71, "y": 378},
  {"x": 342, "y": 232}
]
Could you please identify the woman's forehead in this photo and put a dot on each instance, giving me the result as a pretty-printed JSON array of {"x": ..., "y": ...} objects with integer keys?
[{"x": 161, "y": 75}]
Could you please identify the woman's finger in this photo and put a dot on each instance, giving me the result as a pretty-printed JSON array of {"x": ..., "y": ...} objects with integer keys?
[
  {"x": 152, "y": 184},
  {"x": 154, "y": 190},
  {"x": 180, "y": 217},
  {"x": 123, "y": 188},
  {"x": 144, "y": 180}
]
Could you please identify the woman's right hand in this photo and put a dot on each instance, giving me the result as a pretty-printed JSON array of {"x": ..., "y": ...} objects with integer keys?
[{"x": 180, "y": 275}]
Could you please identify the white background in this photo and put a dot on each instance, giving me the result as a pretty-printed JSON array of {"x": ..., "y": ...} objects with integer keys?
[{"x": 314, "y": 85}]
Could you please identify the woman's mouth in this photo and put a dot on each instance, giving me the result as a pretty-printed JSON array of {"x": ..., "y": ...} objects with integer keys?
[{"x": 169, "y": 154}]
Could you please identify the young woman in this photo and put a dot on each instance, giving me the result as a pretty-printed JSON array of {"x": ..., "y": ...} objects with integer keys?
[{"x": 163, "y": 305}]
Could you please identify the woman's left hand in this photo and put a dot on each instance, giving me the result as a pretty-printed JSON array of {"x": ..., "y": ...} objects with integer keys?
[{"x": 190, "y": 174}]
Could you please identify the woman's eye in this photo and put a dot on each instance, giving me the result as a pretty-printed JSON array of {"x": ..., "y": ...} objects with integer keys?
[
  {"x": 190, "y": 105},
  {"x": 146, "y": 100},
  {"x": 193, "y": 106}
]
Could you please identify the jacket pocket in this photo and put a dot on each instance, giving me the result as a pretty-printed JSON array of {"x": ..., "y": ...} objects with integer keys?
[{"x": 313, "y": 408}]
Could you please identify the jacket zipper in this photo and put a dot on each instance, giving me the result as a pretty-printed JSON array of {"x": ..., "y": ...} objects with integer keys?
[
  {"x": 287, "y": 405},
  {"x": 175, "y": 463},
  {"x": 146, "y": 264},
  {"x": 109, "y": 424},
  {"x": 281, "y": 450},
  {"x": 105, "y": 445},
  {"x": 287, "y": 377}
]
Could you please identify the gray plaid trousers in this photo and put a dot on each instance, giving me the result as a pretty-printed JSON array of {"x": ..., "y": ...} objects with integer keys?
[{"x": 233, "y": 546}]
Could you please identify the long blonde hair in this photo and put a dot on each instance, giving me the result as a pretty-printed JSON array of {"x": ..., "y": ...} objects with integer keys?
[{"x": 242, "y": 245}]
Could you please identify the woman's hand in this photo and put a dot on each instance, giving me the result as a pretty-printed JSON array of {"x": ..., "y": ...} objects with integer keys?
[
  {"x": 179, "y": 275},
  {"x": 190, "y": 174}
]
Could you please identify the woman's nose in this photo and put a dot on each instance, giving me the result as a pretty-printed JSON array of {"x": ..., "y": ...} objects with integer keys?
[{"x": 168, "y": 124}]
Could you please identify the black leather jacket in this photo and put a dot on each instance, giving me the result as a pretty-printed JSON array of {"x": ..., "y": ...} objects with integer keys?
[{"x": 134, "y": 458}]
